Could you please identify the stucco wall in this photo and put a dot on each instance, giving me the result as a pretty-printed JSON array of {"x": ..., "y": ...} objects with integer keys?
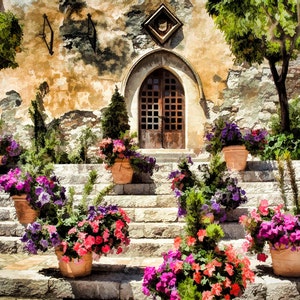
[{"x": 81, "y": 79}]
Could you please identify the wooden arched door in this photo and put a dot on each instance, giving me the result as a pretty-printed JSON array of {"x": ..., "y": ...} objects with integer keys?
[{"x": 162, "y": 112}]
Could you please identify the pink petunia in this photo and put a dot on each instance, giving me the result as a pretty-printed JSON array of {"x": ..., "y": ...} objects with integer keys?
[{"x": 263, "y": 207}]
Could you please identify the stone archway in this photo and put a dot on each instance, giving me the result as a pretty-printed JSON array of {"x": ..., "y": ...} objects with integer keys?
[{"x": 195, "y": 112}]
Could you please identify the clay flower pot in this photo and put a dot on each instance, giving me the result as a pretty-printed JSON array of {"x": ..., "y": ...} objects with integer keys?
[
  {"x": 285, "y": 262},
  {"x": 122, "y": 171},
  {"x": 76, "y": 267},
  {"x": 25, "y": 213},
  {"x": 235, "y": 157}
]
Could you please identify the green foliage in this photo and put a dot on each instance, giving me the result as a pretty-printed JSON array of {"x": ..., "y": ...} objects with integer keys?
[
  {"x": 115, "y": 121},
  {"x": 257, "y": 29},
  {"x": 279, "y": 143},
  {"x": 38, "y": 116},
  {"x": 188, "y": 290},
  {"x": 282, "y": 161},
  {"x": 86, "y": 139},
  {"x": 11, "y": 34},
  {"x": 47, "y": 138},
  {"x": 280, "y": 181},
  {"x": 86, "y": 194},
  {"x": 195, "y": 199},
  {"x": 194, "y": 202},
  {"x": 261, "y": 29},
  {"x": 213, "y": 174},
  {"x": 294, "y": 108},
  {"x": 36, "y": 162}
]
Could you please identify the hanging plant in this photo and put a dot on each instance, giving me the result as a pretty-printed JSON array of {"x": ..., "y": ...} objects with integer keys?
[{"x": 11, "y": 34}]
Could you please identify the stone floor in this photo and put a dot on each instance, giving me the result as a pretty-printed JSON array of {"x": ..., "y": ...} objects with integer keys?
[{"x": 24, "y": 277}]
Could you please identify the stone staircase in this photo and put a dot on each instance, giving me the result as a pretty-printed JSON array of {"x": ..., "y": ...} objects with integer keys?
[{"x": 154, "y": 224}]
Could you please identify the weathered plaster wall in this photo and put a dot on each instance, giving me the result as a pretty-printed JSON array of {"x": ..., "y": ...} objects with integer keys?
[{"x": 81, "y": 79}]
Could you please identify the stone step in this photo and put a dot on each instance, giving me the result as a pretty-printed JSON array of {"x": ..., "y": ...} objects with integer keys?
[
  {"x": 37, "y": 277},
  {"x": 147, "y": 239},
  {"x": 11, "y": 228}
]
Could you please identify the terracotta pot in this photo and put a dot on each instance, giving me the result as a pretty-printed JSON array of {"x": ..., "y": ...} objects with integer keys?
[
  {"x": 235, "y": 157},
  {"x": 25, "y": 213},
  {"x": 122, "y": 171},
  {"x": 285, "y": 262},
  {"x": 76, "y": 267}
]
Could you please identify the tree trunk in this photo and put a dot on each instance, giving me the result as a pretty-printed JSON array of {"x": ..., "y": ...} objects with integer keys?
[{"x": 279, "y": 81}]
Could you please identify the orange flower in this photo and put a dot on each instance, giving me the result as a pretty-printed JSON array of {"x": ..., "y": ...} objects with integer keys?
[
  {"x": 190, "y": 241},
  {"x": 210, "y": 267},
  {"x": 201, "y": 234},
  {"x": 196, "y": 267},
  {"x": 207, "y": 295},
  {"x": 235, "y": 290},
  {"x": 227, "y": 282},
  {"x": 229, "y": 269},
  {"x": 197, "y": 277},
  {"x": 177, "y": 242},
  {"x": 216, "y": 289}
]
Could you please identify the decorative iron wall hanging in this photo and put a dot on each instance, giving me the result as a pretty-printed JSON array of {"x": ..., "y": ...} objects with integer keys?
[
  {"x": 91, "y": 33},
  {"x": 48, "y": 34}
]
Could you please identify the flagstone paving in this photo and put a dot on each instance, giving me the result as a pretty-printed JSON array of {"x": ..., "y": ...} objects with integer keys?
[{"x": 113, "y": 277}]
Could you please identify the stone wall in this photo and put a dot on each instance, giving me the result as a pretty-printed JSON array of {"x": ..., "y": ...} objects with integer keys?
[{"x": 81, "y": 79}]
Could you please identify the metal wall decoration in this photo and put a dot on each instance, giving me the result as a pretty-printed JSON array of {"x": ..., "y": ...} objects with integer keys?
[
  {"x": 48, "y": 34},
  {"x": 162, "y": 24},
  {"x": 91, "y": 33}
]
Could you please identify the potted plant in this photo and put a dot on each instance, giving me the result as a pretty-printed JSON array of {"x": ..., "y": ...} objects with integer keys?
[
  {"x": 198, "y": 269},
  {"x": 278, "y": 229},
  {"x": 228, "y": 138},
  {"x": 32, "y": 195},
  {"x": 80, "y": 234},
  {"x": 123, "y": 159},
  {"x": 221, "y": 192},
  {"x": 10, "y": 149}
]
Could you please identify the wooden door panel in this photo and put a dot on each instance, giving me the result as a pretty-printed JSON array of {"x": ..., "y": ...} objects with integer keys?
[
  {"x": 173, "y": 139},
  {"x": 162, "y": 111},
  {"x": 150, "y": 139}
]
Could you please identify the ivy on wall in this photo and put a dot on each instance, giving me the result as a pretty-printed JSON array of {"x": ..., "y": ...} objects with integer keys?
[{"x": 11, "y": 34}]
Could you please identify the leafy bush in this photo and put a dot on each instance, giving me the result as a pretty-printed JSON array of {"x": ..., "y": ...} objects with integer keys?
[
  {"x": 11, "y": 34},
  {"x": 280, "y": 142}
]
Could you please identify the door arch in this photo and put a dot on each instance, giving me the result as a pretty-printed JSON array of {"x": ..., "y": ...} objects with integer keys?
[{"x": 161, "y": 111}]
